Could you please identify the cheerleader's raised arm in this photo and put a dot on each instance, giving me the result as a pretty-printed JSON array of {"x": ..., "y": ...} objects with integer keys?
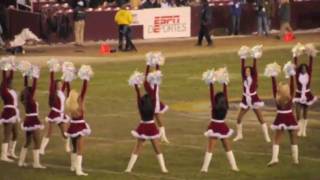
[
  {"x": 225, "y": 92},
  {"x": 274, "y": 87},
  {"x": 243, "y": 68},
  {"x": 84, "y": 89},
  {"x": 25, "y": 82}
]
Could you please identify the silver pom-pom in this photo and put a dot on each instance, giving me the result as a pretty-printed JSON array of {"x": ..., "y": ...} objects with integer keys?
[
  {"x": 155, "y": 58},
  {"x": 222, "y": 75},
  {"x": 272, "y": 70},
  {"x": 85, "y": 72},
  {"x": 7, "y": 63},
  {"x": 154, "y": 77},
  {"x": 244, "y": 52},
  {"x": 54, "y": 65},
  {"x": 25, "y": 68},
  {"x": 35, "y": 71},
  {"x": 136, "y": 78},
  {"x": 289, "y": 69},
  {"x": 209, "y": 76},
  {"x": 68, "y": 72},
  {"x": 311, "y": 50},
  {"x": 256, "y": 51},
  {"x": 297, "y": 50}
]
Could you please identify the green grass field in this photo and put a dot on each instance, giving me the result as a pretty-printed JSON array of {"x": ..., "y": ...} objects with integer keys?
[{"x": 112, "y": 113}]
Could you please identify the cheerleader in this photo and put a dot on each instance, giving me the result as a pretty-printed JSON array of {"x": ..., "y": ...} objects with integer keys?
[
  {"x": 31, "y": 124},
  {"x": 218, "y": 129},
  {"x": 56, "y": 101},
  {"x": 285, "y": 119},
  {"x": 147, "y": 130},
  {"x": 250, "y": 98},
  {"x": 303, "y": 96},
  {"x": 78, "y": 127},
  {"x": 10, "y": 115},
  {"x": 156, "y": 59}
]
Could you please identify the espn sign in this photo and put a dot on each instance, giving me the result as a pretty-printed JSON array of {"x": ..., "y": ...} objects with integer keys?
[{"x": 164, "y": 23}]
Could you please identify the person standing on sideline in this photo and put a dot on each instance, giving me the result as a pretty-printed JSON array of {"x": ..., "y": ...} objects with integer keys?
[
  {"x": 235, "y": 12},
  {"x": 79, "y": 17},
  {"x": 284, "y": 16},
  {"x": 123, "y": 19},
  {"x": 263, "y": 25},
  {"x": 205, "y": 21}
]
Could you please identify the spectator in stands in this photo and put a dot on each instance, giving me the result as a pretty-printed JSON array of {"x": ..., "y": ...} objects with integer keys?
[
  {"x": 168, "y": 4},
  {"x": 263, "y": 25},
  {"x": 284, "y": 16},
  {"x": 205, "y": 22},
  {"x": 79, "y": 23},
  {"x": 150, "y": 4},
  {"x": 235, "y": 16},
  {"x": 123, "y": 19},
  {"x": 181, "y": 3}
]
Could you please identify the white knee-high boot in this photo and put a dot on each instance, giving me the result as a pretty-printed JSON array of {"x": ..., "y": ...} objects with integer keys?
[
  {"x": 73, "y": 158},
  {"x": 12, "y": 149},
  {"x": 163, "y": 135},
  {"x": 79, "y": 171},
  {"x": 265, "y": 132},
  {"x": 36, "y": 159},
  {"x": 206, "y": 162},
  {"x": 295, "y": 153},
  {"x": 131, "y": 163},
  {"x": 22, "y": 157},
  {"x": 239, "y": 133},
  {"x": 67, "y": 145},
  {"x": 304, "y": 129},
  {"x": 43, "y": 145},
  {"x": 275, "y": 155},
  {"x": 162, "y": 163},
  {"x": 4, "y": 153},
  {"x": 232, "y": 161}
]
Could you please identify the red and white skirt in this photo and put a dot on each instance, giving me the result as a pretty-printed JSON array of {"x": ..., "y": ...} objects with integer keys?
[
  {"x": 285, "y": 121},
  {"x": 10, "y": 114},
  {"x": 146, "y": 130},
  {"x": 251, "y": 101},
  {"x": 56, "y": 116},
  {"x": 31, "y": 123},
  {"x": 78, "y": 128},
  {"x": 308, "y": 100},
  {"x": 218, "y": 129},
  {"x": 162, "y": 108}
]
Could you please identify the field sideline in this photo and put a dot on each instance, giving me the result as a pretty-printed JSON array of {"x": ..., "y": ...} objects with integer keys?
[{"x": 112, "y": 113}]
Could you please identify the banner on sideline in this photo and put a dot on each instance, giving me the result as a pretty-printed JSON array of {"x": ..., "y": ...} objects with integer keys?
[{"x": 164, "y": 22}]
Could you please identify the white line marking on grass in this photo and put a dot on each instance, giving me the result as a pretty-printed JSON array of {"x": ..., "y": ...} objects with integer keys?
[{"x": 106, "y": 171}]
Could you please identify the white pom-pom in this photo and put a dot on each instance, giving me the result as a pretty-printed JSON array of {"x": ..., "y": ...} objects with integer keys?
[
  {"x": 222, "y": 75},
  {"x": 256, "y": 51},
  {"x": 25, "y": 68},
  {"x": 155, "y": 77},
  {"x": 69, "y": 72},
  {"x": 272, "y": 70},
  {"x": 155, "y": 58},
  {"x": 297, "y": 50},
  {"x": 160, "y": 59},
  {"x": 136, "y": 78},
  {"x": 54, "y": 65},
  {"x": 85, "y": 72},
  {"x": 7, "y": 63},
  {"x": 35, "y": 71},
  {"x": 208, "y": 76},
  {"x": 244, "y": 52},
  {"x": 311, "y": 50},
  {"x": 289, "y": 69}
]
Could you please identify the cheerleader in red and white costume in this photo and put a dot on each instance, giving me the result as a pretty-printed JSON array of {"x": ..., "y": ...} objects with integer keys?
[
  {"x": 160, "y": 107},
  {"x": 31, "y": 124},
  {"x": 285, "y": 120},
  {"x": 250, "y": 98},
  {"x": 218, "y": 129},
  {"x": 304, "y": 97},
  {"x": 147, "y": 129},
  {"x": 57, "y": 102},
  {"x": 78, "y": 126},
  {"x": 10, "y": 115}
]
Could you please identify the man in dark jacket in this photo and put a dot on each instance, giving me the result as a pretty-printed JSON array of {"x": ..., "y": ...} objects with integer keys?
[
  {"x": 235, "y": 12},
  {"x": 79, "y": 22},
  {"x": 205, "y": 21}
]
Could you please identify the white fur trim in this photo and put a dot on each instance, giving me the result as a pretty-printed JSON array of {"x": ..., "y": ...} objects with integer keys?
[
  {"x": 242, "y": 105},
  {"x": 258, "y": 105},
  {"x": 143, "y": 136},
  {"x": 32, "y": 128},
  {"x": 58, "y": 120},
  {"x": 165, "y": 109},
  {"x": 210, "y": 134},
  {"x": 13, "y": 119},
  {"x": 284, "y": 127},
  {"x": 84, "y": 132},
  {"x": 309, "y": 103}
]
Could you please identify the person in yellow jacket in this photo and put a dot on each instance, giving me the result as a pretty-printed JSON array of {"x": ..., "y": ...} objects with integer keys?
[{"x": 123, "y": 19}]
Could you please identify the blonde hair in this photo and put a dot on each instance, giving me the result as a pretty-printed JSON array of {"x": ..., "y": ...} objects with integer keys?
[
  {"x": 72, "y": 103},
  {"x": 283, "y": 94}
]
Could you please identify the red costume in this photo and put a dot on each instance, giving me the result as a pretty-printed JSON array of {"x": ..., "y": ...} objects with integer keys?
[
  {"x": 285, "y": 119},
  {"x": 78, "y": 126},
  {"x": 217, "y": 127},
  {"x": 250, "y": 98}
]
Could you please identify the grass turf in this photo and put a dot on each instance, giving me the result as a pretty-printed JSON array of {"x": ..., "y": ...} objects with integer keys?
[{"x": 112, "y": 113}]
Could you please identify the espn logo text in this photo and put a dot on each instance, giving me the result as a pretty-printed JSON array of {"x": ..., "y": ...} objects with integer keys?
[{"x": 167, "y": 24}]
